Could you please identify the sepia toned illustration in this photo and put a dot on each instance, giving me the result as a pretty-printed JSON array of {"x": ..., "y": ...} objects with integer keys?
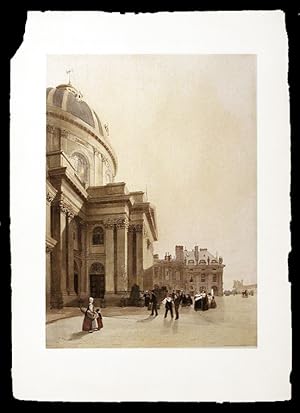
[{"x": 151, "y": 201}]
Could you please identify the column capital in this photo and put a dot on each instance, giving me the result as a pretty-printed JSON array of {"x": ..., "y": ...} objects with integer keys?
[
  {"x": 64, "y": 133},
  {"x": 122, "y": 223},
  {"x": 50, "y": 197},
  {"x": 48, "y": 249},
  {"x": 109, "y": 224},
  {"x": 66, "y": 208},
  {"x": 51, "y": 129},
  {"x": 118, "y": 222},
  {"x": 135, "y": 228},
  {"x": 70, "y": 213}
]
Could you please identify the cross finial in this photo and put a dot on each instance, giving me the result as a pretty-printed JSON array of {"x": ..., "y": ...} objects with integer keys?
[{"x": 69, "y": 71}]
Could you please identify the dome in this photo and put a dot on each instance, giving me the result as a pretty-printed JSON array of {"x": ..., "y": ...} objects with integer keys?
[{"x": 70, "y": 100}]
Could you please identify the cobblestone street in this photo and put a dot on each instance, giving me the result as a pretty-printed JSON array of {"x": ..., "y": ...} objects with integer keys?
[{"x": 232, "y": 323}]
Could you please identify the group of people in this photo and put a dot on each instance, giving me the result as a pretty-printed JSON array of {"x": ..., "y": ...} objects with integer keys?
[{"x": 202, "y": 301}]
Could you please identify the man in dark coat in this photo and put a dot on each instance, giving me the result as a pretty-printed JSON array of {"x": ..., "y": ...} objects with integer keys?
[
  {"x": 177, "y": 301},
  {"x": 147, "y": 299},
  {"x": 153, "y": 301}
]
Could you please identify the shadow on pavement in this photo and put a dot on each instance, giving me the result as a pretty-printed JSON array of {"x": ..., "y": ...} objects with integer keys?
[
  {"x": 149, "y": 318},
  {"x": 78, "y": 335}
]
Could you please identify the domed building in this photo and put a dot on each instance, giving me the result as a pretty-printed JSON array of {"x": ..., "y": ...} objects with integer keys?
[{"x": 99, "y": 236}]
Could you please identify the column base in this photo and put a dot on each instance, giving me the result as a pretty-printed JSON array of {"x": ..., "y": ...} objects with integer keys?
[
  {"x": 113, "y": 299},
  {"x": 71, "y": 299},
  {"x": 56, "y": 300}
]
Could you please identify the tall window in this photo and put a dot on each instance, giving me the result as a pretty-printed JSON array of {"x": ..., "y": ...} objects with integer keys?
[
  {"x": 214, "y": 278},
  {"x": 98, "y": 236},
  {"x": 167, "y": 275},
  {"x": 81, "y": 166}
]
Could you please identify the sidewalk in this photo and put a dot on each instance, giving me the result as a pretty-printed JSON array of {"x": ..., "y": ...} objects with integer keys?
[
  {"x": 58, "y": 314},
  {"x": 68, "y": 312}
]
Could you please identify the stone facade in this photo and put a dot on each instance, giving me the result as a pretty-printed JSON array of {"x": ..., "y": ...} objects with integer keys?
[
  {"x": 99, "y": 236},
  {"x": 180, "y": 273},
  {"x": 239, "y": 287}
]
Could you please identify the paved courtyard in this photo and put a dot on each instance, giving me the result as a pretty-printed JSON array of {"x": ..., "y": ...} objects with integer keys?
[{"x": 232, "y": 323}]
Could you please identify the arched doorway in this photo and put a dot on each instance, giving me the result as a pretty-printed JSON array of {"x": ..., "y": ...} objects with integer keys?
[
  {"x": 97, "y": 280},
  {"x": 76, "y": 278},
  {"x": 215, "y": 289}
]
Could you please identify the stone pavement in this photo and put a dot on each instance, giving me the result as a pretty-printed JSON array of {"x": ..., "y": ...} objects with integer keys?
[{"x": 232, "y": 323}]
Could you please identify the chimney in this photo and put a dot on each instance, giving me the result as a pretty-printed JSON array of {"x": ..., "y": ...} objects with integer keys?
[{"x": 179, "y": 255}]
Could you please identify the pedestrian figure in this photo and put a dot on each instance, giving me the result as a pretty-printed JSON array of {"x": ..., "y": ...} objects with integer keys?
[
  {"x": 168, "y": 305},
  {"x": 99, "y": 319},
  {"x": 177, "y": 301},
  {"x": 147, "y": 299},
  {"x": 197, "y": 302},
  {"x": 90, "y": 322},
  {"x": 153, "y": 301},
  {"x": 189, "y": 300},
  {"x": 213, "y": 303},
  {"x": 204, "y": 301}
]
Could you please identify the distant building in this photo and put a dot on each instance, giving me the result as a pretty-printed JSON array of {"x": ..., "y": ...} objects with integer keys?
[
  {"x": 238, "y": 286},
  {"x": 190, "y": 271}
]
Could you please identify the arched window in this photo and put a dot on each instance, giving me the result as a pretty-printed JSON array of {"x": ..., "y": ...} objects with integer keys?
[
  {"x": 98, "y": 236},
  {"x": 97, "y": 268},
  {"x": 81, "y": 166}
]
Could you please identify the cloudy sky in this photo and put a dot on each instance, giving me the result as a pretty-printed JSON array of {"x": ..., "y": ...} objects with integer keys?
[{"x": 184, "y": 126}]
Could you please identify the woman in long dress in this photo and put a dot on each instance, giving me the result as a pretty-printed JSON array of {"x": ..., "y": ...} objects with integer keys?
[
  {"x": 204, "y": 302},
  {"x": 197, "y": 302},
  {"x": 90, "y": 322}
]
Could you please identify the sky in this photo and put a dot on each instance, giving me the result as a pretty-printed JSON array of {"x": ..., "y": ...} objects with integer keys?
[{"x": 184, "y": 129}]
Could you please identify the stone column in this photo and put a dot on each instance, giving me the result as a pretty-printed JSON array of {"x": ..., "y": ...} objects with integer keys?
[
  {"x": 59, "y": 267},
  {"x": 139, "y": 254},
  {"x": 70, "y": 255},
  {"x": 83, "y": 269},
  {"x": 49, "y": 199},
  {"x": 48, "y": 215},
  {"x": 109, "y": 257},
  {"x": 48, "y": 277},
  {"x": 122, "y": 276},
  {"x": 131, "y": 280}
]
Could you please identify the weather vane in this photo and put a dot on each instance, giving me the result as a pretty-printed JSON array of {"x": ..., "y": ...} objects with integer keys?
[{"x": 69, "y": 71}]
